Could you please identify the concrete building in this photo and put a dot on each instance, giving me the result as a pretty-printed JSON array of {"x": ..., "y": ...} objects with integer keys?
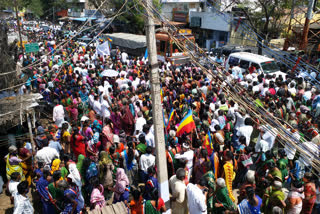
[
  {"x": 81, "y": 10},
  {"x": 208, "y": 26},
  {"x": 179, "y": 10}
]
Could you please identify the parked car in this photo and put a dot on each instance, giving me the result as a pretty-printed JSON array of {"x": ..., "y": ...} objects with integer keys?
[
  {"x": 261, "y": 63},
  {"x": 229, "y": 49}
]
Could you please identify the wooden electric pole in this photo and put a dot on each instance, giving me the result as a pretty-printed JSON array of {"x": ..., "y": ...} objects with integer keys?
[
  {"x": 304, "y": 39},
  {"x": 157, "y": 110}
]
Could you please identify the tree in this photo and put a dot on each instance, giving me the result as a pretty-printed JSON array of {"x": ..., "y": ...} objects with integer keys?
[
  {"x": 266, "y": 18},
  {"x": 36, "y": 7},
  {"x": 133, "y": 16}
]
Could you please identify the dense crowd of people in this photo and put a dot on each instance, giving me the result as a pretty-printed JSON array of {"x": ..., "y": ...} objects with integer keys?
[{"x": 100, "y": 147}]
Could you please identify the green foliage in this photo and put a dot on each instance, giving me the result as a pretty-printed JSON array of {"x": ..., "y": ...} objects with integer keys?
[
  {"x": 266, "y": 17},
  {"x": 36, "y": 7}
]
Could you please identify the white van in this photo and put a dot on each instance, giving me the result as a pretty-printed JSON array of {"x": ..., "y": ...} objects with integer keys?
[{"x": 263, "y": 64}]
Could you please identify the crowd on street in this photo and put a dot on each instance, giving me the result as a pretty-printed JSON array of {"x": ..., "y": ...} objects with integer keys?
[{"x": 100, "y": 145}]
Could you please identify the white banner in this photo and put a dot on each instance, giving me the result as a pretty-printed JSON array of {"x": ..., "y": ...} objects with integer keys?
[{"x": 103, "y": 49}]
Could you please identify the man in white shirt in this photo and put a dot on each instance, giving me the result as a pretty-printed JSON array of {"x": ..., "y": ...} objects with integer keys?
[
  {"x": 139, "y": 123},
  {"x": 246, "y": 130},
  {"x": 136, "y": 82},
  {"x": 124, "y": 57},
  {"x": 150, "y": 138},
  {"x": 147, "y": 160},
  {"x": 97, "y": 105},
  {"x": 58, "y": 114},
  {"x": 186, "y": 155},
  {"x": 22, "y": 203},
  {"x": 13, "y": 184},
  {"x": 178, "y": 191},
  {"x": 236, "y": 71},
  {"x": 105, "y": 113},
  {"x": 47, "y": 155},
  {"x": 197, "y": 197}
]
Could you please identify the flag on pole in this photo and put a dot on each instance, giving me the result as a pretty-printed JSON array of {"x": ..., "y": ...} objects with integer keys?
[
  {"x": 171, "y": 115},
  {"x": 164, "y": 120},
  {"x": 186, "y": 125},
  {"x": 161, "y": 95},
  {"x": 208, "y": 143},
  {"x": 146, "y": 54},
  {"x": 109, "y": 38}
]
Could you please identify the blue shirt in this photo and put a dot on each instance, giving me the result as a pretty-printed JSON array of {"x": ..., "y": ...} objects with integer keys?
[{"x": 55, "y": 145}]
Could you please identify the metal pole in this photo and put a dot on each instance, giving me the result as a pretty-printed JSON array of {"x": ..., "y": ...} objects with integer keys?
[
  {"x": 18, "y": 23},
  {"x": 304, "y": 40},
  {"x": 157, "y": 116}
]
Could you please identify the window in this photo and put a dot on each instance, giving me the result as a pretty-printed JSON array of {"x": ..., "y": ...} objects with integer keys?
[
  {"x": 269, "y": 67},
  {"x": 162, "y": 46},
  {"x": 244, "y": 64},
  {"x": 233, "y": 60},
  {"x": 257, "y": 66}
]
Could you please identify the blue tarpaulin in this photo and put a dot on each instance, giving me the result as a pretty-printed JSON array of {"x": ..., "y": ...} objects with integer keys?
[{"x": 81, "y": 19}]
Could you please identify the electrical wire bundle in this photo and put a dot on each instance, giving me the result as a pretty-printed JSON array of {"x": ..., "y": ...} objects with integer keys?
[{"x": 237, "y": 93}]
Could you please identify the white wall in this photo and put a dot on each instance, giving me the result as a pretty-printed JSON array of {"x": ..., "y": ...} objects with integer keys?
[{"x": 211, "y": 21}]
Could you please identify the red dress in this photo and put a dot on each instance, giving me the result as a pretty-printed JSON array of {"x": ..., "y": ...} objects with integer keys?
[{"x": 78, "y": 145}]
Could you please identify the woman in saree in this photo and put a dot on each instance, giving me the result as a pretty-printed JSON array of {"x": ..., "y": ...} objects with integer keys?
[
  {"x": 107, "y": 134},
  {"x": 93, "y": 147},
  {"x": 76, "y": 185},
  {"x": 274, "y": 172},
  {"x": 42, "y": 189},
  {"x": 105, "y": 172},
  {"x": 273, "y": 197},
  {"x": 65, "y": 138},
  {"x": 309, "y": 192},
  {"x": 228, "y": 172},
  {"x": 200, "y": 165},
  {"x": 26, "y": 162},
  {"x": 251, "y": 204},
  {"x": 77, "y": 143},
  {"x": 13, "y": 163},
  {"x": 55, "y": 166},
  {"x": 55, "y": 192},
  {"x": 115, "y": 117},
  {"x": 210, "y": 178},
  {"x": 79, "y": 166},
  {"x": 87, "y": 131},
  {"x": 283, "y": 164},
  {"x": 127, "y": 119},
  {"x": 222, "y": 200},
  {"x": 155, "y": 205},
  {"x": 121, "y": 191},
  {"x": 71, "y": 198},
  {"x": 97, "y": 199}
]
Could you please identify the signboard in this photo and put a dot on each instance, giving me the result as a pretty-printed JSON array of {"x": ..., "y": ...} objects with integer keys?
[
  {"x": 32, "y": 47},
  {"x": 23, "y": 43},
  {"x": 185, "y": 31}
]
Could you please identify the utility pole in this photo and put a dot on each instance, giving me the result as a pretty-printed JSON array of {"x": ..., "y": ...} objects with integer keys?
[
  {"x": 304, "y": 39},
  {"x": 18, "y": 23},
  {"x": 157, "y": 110}
]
